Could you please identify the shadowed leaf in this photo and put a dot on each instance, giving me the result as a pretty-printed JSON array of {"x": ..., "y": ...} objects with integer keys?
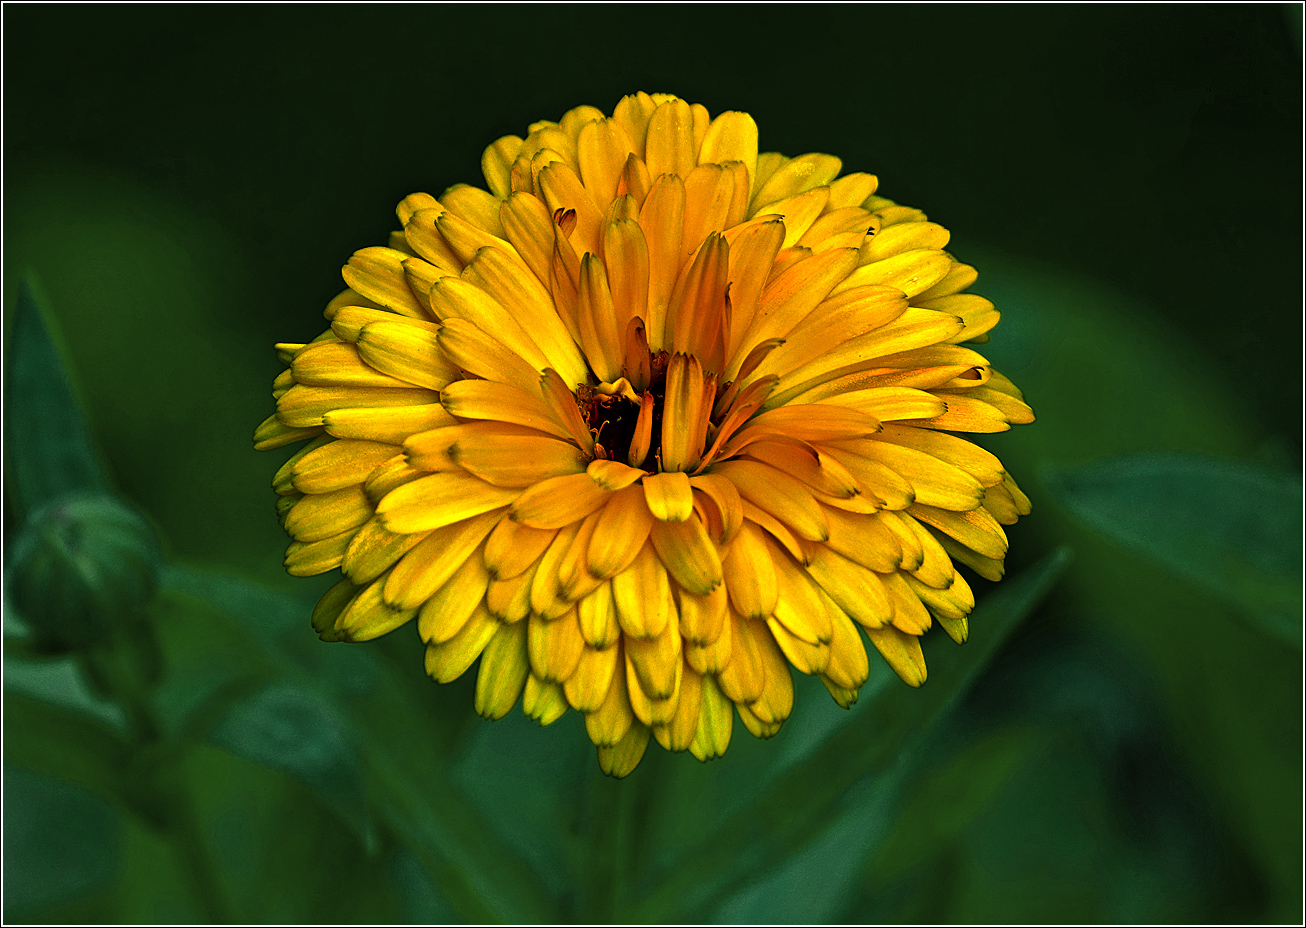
[
  {"x": 1233, "y": 528},
  {"x": 48, "y": 449}
]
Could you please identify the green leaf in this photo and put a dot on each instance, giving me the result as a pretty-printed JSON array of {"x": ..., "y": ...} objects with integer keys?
[
  {"x": 876, "y": 751},
  {"x": 48, "y": 446},
  {"x": 67, "y": 744},
  {"x": 59, "y": 681},
  {"x": 1233, "y": 528},
  {"x": 61, "y": 842},
  {"x": 289, "y": 728},
  {"x": 389, "y": 718}
]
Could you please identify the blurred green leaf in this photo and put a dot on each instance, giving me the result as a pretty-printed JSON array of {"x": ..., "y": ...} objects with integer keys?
[
  {"x": 59, "y": 682},
  {"x": 61, "y": 842},
  {"x": 47, "y": 444},
  {"x": 373, "y": 718},
  {"x": 1233, "y": 528},
  {"x": 939, "y": 806},
  {"x": 288, "y": 728},
  {"x": 801, "y": 805},
  {"x": 67, "y": 744}
]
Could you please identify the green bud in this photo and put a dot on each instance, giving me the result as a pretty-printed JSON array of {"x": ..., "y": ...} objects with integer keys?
[{"x": 84, "y": 568}]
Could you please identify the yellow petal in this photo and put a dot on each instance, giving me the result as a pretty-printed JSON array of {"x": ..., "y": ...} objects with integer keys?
[
  {"x": 543, "y": 702},
  {"x": 685, "y": 416},
  {"x": 501, "y": 402},
  {"x": 863, "y": 540},
  {"x": 977, "y": 529},
  {"x": 430, "y": 565},
  {"x": 561, "y": 402},
  {"x": 669, "y": 496},
  {"x": 338, "y": 364},
  {"x": 469, "y": 348},
  {"x": 958, "y": 452},
  {"x": 454, "y": 602},
  {"x": 496, "y": 163},
  {"x": 502, "y": 674},
  {"x": 621, "y": 759},
  {"x": 441, "y": 499},
  {"x": 882, "y": 484},
  {"x": 688, "y": 554},
  {"x": 696, "y": 315},
  {"x": 669, "y": 144},
  {"x": 794, "y": 176},
  {"x": 912, "y": 272},
  {"x": 368, "y": 616},
  {"x": 848, "y": 667},
  {"x": 904, "y": 236},
  {"x": 852, "y": 190},
  {"x": 613, "y": 475},
  {"x": 725, "y": 496},
  {"x": 322, "y": 515},
  {"x": 559, "y": 501},
  {"x": 339, "y": 464},
  {"x": 547, "y": 596},
  {"x": 406, "y": 352},
  {"x": 642, "y": 596},
  {"x": 308, "y": 559},
  {"x": 625, "y": 253},
  {"x": 474, "y": 205},
  {"x": 516, "y": 460},
  {"x": 656, "y": 662},
  {"x": 512, "y": 547},
  {"x": 750, "y": 574},
  {"x": 509, "y": 600},
  {"x": 712, "y": 657},
  {"x": 609, "y": 724},
  {"x": 374, "y": 550},
  {"x": 597, "y": 612},
  {"x": 649, "y": 709},
  {"x": 454, "y": 298},
  {"x": 588, "y": 686},
  {"x": 555, "y": 647},
  {"x": 900, "y": 651},
  {"x": 702, "y": 618},
  {"x": 752, "y": 252},
  {"x": 330, "y": 606},
  {"x": 378, "y": 274},
  {"x": 620, "y": 533},
  {"x": 909, "y": 615},
  {"x": 799, "y": 606},
  {"x": 777, "y": 699},
  {"x": 678, "y": 734},
  {"x": 731, "y": 137},
  {"x": 271, "y": 434},
  {"x": 744, "y": 676},
  {"x": 934, "y": 482},
  {"x": 778, "y": 494},
  {"x": 715, "y": 720},
  {"x": 305, "y": 406},
  {"x": 598, "y": 321},
  {"x": 505, "y": 279},
  {"x": 856, "y": 590},
  {"x": 390, "y": 425},
  {"x": 448, "y": 660},
  {"x": 527, "y": 224},
  {"x": 662, "y": 220}
]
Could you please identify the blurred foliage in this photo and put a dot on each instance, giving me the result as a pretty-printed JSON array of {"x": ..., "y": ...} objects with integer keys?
[{"x": 1120, "y": 740}]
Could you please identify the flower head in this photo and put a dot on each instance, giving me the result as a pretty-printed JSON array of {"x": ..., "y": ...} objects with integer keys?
[{"x": 645, "y": 424}]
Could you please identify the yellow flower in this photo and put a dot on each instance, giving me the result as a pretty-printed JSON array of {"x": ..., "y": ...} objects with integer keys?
[{"x": 650, "y": 421}]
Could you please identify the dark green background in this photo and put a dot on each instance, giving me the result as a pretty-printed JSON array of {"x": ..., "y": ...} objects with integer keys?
[{"x": 186, "y": 181}]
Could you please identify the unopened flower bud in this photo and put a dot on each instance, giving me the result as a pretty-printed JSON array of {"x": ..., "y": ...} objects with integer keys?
[{"x": 83, "y": 567}]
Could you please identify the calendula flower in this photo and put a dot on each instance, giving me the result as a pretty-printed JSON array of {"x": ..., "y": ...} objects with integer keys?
[{"x": 646, "y": 424}]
